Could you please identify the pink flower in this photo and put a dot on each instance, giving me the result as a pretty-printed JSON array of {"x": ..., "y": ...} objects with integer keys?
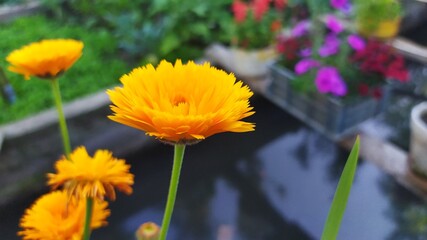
[
  {"x": 239, "y": 10},
  {"x": 330, "y": 47},
  {"x": 328, "y": 80},
  {"x": 301, "y": 28},
  {"x": 305, "y": 65},
  {"x": 356, "y": 42},
  {"x": 338, "y": 4},
  {"x": 306, "y": 52},
  {"x": 347, "y": 9},
  {"x": 333, "y": 24}
]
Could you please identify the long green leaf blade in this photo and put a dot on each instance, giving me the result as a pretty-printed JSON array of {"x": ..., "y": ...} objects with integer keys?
[{"x": 339, "y": 203}]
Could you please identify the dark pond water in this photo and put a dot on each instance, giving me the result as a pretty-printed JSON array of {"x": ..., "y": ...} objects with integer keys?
[
  {"x": 274, "y": 183},
  {"x": 418, "y": 34}
]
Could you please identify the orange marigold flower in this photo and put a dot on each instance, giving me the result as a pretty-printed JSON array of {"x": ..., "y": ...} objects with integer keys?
[
  {"x": 56, "y": 217},
  {"x": 83, "y": 176},
  {"x": 181, "y": 103},
  {"x": 45, "y": 59}
]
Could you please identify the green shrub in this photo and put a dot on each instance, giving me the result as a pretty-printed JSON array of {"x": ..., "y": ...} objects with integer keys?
[
  {"x": 148, "y": 30},
  {"x": 98, "y": 68}
]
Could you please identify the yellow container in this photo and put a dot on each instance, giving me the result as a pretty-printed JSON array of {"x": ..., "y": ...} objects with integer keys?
[{"x": 383, "y": 30}]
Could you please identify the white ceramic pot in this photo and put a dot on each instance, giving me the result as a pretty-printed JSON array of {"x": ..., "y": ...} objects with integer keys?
[
  {"x": 418, "y": 144},
  {"x": 252, "y": 63},
  {"x": 244, "y": 63}
]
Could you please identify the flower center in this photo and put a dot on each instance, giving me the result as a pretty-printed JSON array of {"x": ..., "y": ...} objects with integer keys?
[{"x": 179, "y": 99}]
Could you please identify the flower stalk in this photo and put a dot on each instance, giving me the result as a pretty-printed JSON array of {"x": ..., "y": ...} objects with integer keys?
[
  {"x": 67, "y": 149},
  {"x": 173, "y": 187},
  {"x": 62, "y": 122},
  {"x": 88, "y": 218}
]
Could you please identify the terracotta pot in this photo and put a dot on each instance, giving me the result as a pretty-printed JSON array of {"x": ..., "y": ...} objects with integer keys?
[{"x": 418, "y": 144}]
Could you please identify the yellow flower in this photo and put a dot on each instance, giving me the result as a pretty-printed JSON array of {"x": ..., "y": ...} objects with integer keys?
[
  {"x": 56, "y": 217},
  {"x": 181, "y": 103},
  {"x": 83, "y": 176},
  {"x": 148, "y": 231},
  {"x": 45, "y": 59}
]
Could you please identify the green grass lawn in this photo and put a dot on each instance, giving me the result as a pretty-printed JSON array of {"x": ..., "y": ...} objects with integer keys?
[{"x": 100, "y": 66}]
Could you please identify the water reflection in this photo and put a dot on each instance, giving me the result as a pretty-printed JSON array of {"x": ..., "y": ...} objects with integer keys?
[
  {"x": 274, "y": 183},
  {"x": 408, "y": 212}
]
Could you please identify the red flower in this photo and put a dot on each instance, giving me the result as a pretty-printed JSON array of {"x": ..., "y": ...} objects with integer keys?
[
  {"x": 280, "y": 4},
  {"x": 377, "y": 93},
  {"x": 288, "y": 47},
  {"x": 260, "y": 7},
  {"x": 379, "y": 58},
  {"x": 398, "y": 74},
  {"x": 363, "y": 89},
  {"x": 240, "y": 10}
]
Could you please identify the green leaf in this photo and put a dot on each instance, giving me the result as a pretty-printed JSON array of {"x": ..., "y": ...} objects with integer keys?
[
  {"x": 159, "y": 6},
  {"x": 336, "y": 212},
  {"x": 199, "y": 29},
  {"x": 201, "y": 9},
  {"x": 170, "y": 42}
]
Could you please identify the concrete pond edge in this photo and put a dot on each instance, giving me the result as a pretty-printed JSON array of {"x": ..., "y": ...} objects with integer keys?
[{"x": 48, "y": 117}]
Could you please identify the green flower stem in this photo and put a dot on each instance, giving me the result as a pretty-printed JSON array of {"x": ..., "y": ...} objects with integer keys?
[
  {"x": 173, "y": 187},
  {"x": 88, "y": 218},
  {"x": 62, "y": 123}
]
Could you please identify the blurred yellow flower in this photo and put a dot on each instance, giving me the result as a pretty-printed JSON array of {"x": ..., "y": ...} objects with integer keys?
[
  {"x": 45, "y": 59},
  {"x": 83, "y": 176},
  {"x": 181, "y": 103},
  {"x": 55, "y": 216},
  {"x": 148, "y": 231}
]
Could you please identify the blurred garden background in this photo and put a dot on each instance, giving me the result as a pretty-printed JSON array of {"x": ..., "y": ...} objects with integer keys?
[{"x": 297, "y": 56}]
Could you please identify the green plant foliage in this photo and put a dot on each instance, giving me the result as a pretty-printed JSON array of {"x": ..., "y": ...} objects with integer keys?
[
  {"x": 98, "y": 68},
  {"x": 370, "y": 13},
  {"x": 339, "y": 203},
  {"x": 150, "y": 30},
  {"x": 255, "y": 34},
  {"x": 11, "y": 2}
]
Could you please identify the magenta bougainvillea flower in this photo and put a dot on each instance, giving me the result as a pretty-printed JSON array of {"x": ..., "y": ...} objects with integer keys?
[
  {"x": 330, "y": 47},
  {"x": 356, "y": 42},
  {"x": 338, "y": 4},
  {"x": 333, "y": 24},
  {"x": 328, "y": 80},
  {"x": 305, "y": 65}
]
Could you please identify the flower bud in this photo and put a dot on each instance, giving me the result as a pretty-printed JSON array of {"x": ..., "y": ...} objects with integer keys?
[{"x": 148, "y": 231}]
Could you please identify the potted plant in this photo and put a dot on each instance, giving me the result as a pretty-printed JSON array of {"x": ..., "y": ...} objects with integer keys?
[
  {"x": 253, "y": 33},
  {"x": 378, "y": 18},
  {"x": 418, "y": 143},
  {"x": 336, "y": 85}
]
